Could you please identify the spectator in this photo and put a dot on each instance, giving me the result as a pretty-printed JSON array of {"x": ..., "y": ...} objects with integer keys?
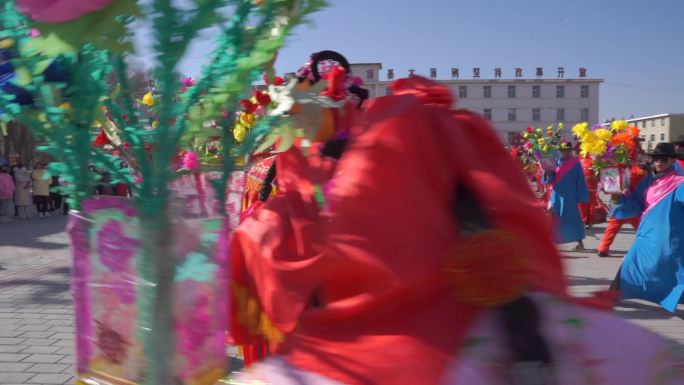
[
  {"x": 41, "y": 189},
  {"x": 22, "y": 191},
  {"x": 55, "y": 194},
  {"x": 6, "y": 194}
]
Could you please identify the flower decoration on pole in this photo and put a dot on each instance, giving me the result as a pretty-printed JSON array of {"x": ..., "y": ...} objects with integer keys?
[
  {"x": 543, "y": 144},
  {"x": 607, "y": 146}
]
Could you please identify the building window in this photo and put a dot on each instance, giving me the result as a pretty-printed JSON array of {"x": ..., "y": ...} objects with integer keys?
[
  {"x": 511, "y": 91},
  {"x": 514, "y": 138},
  {"x": 652, "y": 137},
  {"x": 560, "y": 91},
  {"x": 536, "y": 91},
  {"x": 653, "y": 123},
  {"x": 536, "y": 114},
  {"x": 662, "y": 122},
  {"x": 462, "y": 92},
  {"x": 584, "y": 92},
  {"x": 487, "y": 113},
  {"x": 511, "y": 114},
  {"x": 584, "y": 115},
  {"x": 487, "y": 91},
  {"x": 643, "y": 124},
  {"x": 662, "y": 137},
  {"x": 650, "y": 146},
  {"x": 388, "y": 91},
  {"x": 560, "y": 115}
]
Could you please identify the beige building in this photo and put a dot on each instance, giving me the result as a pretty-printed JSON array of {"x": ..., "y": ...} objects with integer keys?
[
  {"x": 659, "y": 128},
  {"x": 510, "y": 104}
]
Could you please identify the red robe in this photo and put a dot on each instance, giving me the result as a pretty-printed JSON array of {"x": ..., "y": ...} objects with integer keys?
[
  {"x": 359, "y": 285},
  {"x": 592, "y": 212}
]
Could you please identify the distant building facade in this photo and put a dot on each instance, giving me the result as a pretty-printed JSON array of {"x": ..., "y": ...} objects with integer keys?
[
  {"x": 659, "y": 128},
  {"x": 510, "y": 104}
]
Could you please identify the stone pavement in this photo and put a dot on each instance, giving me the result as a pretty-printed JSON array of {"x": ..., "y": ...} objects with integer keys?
[{"x": 36, "y": 316}]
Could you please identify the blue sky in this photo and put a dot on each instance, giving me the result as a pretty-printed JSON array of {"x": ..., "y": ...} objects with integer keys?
[{"x": 637, "y": 46}]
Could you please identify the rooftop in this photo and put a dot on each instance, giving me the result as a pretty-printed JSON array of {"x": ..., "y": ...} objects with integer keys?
[{"x": 656, "y": 116}]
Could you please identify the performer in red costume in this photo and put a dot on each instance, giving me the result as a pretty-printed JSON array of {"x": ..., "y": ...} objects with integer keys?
[
  {"x": 594, "y": 211},
  {"x": 330, "y": 137},
  {"x": 426, "y": 236}
]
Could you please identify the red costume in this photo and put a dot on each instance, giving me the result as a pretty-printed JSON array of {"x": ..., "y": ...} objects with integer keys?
[
  {"x": 350, "y": 288},
  {"x": 594, "y": 211}
]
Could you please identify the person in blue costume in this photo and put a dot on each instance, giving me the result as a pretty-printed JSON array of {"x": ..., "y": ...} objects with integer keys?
[
  {"x": 568, "y": 189},
  {"x": 653, "y": 268}
]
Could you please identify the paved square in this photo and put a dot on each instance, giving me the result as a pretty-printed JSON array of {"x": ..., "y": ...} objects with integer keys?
[{"x": 36, "y": 316}]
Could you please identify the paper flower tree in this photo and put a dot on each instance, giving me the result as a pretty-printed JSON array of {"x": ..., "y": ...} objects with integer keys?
[{"x": 66, "y": 80}]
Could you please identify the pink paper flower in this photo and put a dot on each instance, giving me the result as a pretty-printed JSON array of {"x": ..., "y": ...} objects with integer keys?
[
  {"x": 188, "y": 82},
  {"x": 57, "y": 11},
  {"x": 114, "y": 247},
  {"x": 191, "y": 161}
]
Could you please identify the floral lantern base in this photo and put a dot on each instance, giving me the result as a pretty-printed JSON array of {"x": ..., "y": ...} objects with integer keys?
[
  {"x": 548, "y": 160},
  {"x": 614, "y": 180},
  {"x": 112, "y": 299}
]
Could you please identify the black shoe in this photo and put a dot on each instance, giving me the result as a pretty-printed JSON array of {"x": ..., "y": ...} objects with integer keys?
[{"x": 603, "y": 255}]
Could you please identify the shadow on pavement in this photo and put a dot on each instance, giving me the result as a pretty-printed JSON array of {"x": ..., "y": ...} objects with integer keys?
[
  {"x": 27, "y": 233},
  {"x": 46, "y": 291},
  {"x": 643, "y": 311},
  {"x": 588, "y": 281}
]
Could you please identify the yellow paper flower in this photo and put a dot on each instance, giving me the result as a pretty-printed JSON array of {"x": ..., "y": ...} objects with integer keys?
[
  {"x": 619, "y": 125},
  {"x": 6, "y": 43},
  {"x": 239, "y": 133},
  {"x": 599, "y": 148},
  {"x": 148, "y": 99},
  {"x": 580, "y": 129},
  {"x": 539, "y": 131},
  {"x": 526, "y": 135},
  {"x": 545, "y": 148},
  {"x": 155, "y": 124},
  {"x": 589, "y": 137},
  {"x": 561, "y": 125},
  {"x": 604, "y": 134},
  {"x": 540, "y": 141},
  {"x": 247, "y": 119},
  {"x": 585, "y": 148}
]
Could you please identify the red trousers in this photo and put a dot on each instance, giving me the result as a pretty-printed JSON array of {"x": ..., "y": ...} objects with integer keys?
[
  {"x": 586, "y": 208},
  {"x": 614, "y": 225}
]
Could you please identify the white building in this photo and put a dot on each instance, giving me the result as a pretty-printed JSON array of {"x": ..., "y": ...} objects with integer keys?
[
  {"x": 510, "y": 104},
  {"x": 659, "y": 128}
]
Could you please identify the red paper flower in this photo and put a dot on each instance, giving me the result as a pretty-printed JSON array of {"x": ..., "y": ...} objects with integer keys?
[
  {"x": 277, "y": 81},
  {"x": 529, "y": 129},
  {"x": 262, "y": 98},
  {"x": 249, "y": 106},
  {"x": 101, "y": 140}
]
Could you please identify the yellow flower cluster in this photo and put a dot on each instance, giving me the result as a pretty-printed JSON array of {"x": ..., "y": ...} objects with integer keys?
[
  {"x": 244, "y": 123},
  {"x": 592, "y": 142},
  {"x": 619, "y": 125}
]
